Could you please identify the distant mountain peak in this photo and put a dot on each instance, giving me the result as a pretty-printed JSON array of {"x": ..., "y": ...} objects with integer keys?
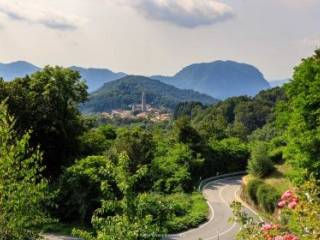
[{"x": 220, "y": 79}]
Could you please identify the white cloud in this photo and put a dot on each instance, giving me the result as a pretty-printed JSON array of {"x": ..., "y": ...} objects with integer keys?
[
  {"x": 34, "y": 11},
  {"x": 185, "y": 13}
]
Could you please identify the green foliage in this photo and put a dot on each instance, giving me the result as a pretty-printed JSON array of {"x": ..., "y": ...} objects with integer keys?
[
  {"x": 260, "y": 164},
  {"x": 171, "y": 170},
  {"x": 23, "y": 191},
  {"x": 238, "y": 116},
  {"x": 47, "y": 102},
  {"x": 231, "y": 154},
  {"x": 128, "y": 217},
  {"x": 252, "y": 189},
  {"x": 189, "y": 212},
  {"x": 187, "y": 109},
  {"x": 302, "y": 113},
  {"x": 301, "y": 222},
  {"x": 80, "y": 192},
  {"x": 267, "y": 197},
  {"x": 97, "y": 140},
  {"x": 186, "y": 134}
]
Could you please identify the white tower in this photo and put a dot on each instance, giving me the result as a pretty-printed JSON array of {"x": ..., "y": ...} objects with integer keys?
[{"x": 143, "y": 102}]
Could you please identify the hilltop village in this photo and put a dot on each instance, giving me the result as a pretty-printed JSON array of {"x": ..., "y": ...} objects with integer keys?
[{"x": 142, "y": 111}]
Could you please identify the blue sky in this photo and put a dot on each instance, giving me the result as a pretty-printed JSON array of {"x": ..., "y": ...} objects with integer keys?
[{"x": 160, "y": 36}]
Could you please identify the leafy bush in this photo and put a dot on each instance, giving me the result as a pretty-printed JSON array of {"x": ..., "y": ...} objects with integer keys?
[
  {"x": 23, "y": 191},
  {"x": 260, "y": 164},
  {"x": 252, "y": 189},
  {"x": 97, "y": 140},
  {"x": 267, "y": 197},
  {"x": 80, "y": 192},
  {"x": 189, "y": 211},
  {"x": 171, "y": 170},
  {"x": 233, "y": 154}
]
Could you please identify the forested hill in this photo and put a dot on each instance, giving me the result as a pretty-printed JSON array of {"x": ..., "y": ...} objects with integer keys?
[
  {"x": 127, "y": 90},
  {"x": 219, "y": 79}
]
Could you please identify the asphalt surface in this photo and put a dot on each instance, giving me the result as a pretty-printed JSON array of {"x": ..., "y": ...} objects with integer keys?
[
  {"x": 219, "y": 194},
  {"x": 57, "y": 237}
]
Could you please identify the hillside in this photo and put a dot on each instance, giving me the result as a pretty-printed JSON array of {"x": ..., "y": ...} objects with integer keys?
[
  {"x": 219, "y": 79},
  {"x": 126, "y": 91}
]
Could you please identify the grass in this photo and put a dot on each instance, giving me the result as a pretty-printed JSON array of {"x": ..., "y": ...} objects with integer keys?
[{"x": 277, "y": 179}]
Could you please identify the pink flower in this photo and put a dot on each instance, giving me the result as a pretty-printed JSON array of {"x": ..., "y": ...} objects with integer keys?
[
  {"x": 290, "y": 237},
  {"x": 281, "y": 204},
  {"x": 288, "y": 194},
  {"x": 278, "y": 238},
  {"x": 292, "y": 205},
  {"x": 266, "y": 227}
]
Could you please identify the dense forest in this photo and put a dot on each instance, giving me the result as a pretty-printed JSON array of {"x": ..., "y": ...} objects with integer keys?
[{"x": 60, "y": 168}]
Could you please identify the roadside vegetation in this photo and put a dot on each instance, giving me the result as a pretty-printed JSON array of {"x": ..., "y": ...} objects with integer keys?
[
  {"x": 283, "y": 183},
  {"x": 139, "y": 181}
]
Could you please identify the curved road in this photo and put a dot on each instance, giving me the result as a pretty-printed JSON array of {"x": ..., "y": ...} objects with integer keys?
[{"x": 219, "y": 194}]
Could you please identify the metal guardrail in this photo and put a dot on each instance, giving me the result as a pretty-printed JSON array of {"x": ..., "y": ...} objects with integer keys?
[{"x": 234, "y": 174}]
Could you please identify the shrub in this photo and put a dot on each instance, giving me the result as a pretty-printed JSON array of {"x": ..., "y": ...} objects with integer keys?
[
  {"x": 80, "y": 192},
  {"x": 260, "y": 164},
  {"x": 276, "y": 155},
  {"x": 267, "y": 197},
  {"x": 252, "y": 189}
]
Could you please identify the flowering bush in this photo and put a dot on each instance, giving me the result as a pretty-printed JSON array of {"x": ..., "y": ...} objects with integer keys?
[
  {"x": 299, "y": 217},
  {"x": 288, "y": 199}
]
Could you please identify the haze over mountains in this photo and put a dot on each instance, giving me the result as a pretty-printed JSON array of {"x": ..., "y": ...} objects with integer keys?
[{"x": 219, "y": 79}]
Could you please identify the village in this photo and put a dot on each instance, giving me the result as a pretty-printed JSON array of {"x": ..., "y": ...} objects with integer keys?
[{"x": 142, "y": 111}]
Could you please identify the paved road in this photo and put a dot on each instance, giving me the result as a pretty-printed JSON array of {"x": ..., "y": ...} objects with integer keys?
[
  {"x": 57, "y": 237},
  {"x": 219, "y": 195}
]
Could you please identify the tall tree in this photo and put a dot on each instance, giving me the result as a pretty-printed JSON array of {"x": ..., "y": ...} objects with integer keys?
[
  {"x": 47, "y": 102},
  {"x": 303, "y": 133},
  {"x": 23, "y": 191}
]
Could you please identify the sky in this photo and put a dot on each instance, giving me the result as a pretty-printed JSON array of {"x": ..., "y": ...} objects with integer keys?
[{"x": 160, "y": 36}]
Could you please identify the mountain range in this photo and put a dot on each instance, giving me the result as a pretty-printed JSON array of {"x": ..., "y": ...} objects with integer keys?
[
  {"x": 219, "y": 79},
  {"x": 95, "y": 77},
  {"x": 127, "y": 90}
]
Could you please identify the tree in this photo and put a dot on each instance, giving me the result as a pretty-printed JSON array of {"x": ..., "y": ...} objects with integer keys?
[
  {"x": 80, "y": 193},
  {"x": 47, "y": 102},
  {"x": 189, "y": 136},
  {"x": 303, "y": 130},
  {"x": 97, "y": 140},
  {"x": 171, "y": 171},
  {"x": 23, "y": 191},
  {"x": 134, "y": 216},
  {"x": 260, "y": 164}
]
